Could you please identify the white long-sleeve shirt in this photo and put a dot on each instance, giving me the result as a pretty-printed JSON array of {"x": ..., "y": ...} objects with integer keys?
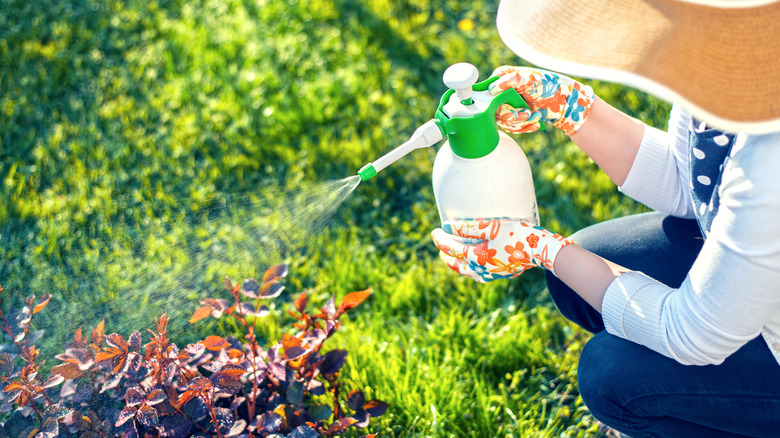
[{"x": 732, "y": 292}]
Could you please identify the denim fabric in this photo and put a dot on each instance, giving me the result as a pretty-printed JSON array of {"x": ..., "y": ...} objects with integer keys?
[{"x": 645, "y": 394}]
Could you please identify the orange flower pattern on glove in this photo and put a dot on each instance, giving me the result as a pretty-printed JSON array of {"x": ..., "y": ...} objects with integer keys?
[
  {"x": 489, "y": 249},
  {"x": 552, "y": 98}
]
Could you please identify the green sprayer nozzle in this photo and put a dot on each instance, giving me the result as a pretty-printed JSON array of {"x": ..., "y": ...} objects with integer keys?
[{"x": 367, "y": 172}]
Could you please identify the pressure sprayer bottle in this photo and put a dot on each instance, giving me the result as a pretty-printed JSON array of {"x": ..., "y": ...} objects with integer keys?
[{"x": 479, "y": 172}]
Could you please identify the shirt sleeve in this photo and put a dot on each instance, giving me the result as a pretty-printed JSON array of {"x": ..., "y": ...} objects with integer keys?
[
  {"x": 731, "y": 291},
  {"x": 658, "y": 177}
]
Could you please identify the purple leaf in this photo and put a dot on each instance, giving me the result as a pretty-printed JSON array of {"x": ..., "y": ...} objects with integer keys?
[
  {"x": 375, "y": 408},
  {"x": 278, "y": 371},
  {"x": 53, "y": 381},
  {"x": 236, "y": 403},
  {"x": 238, "y": 427},
  {"x": 49, "y": 429},
  {"x": 262, "y": 311},
  {"x": 129, "y": 431},
  {"x": 229, "y": 385},
  {"x": 84, "y": 359},
  {"x": 330, "y": 307},
  {"x": 333, "y": 361},
  {"x": 127, "y": 413},
  {"x": 57, "y": 411},
  {"x": 303, "y": 432},
  {"x": 268, "y": 423},
  {"x": 6, "y": 364},
  {"x": 195, "y": 350},
  {"x": 250, "y": 288},
  {"x": 111, "y": 383},
  {"x": 224, "y": 419},
  {"x": 355, "y": 400},
  {"x": 218, "y": 306},
  {"x": 362, "y": 419},
  {"x": 156, "y": 396},
  {"x": 316, "y": 388},
  {"x": 135, "y": 341},
  {"x": 247, "y": 308},
  {"x": 147, "y": 416},
  {"x": 175, "y": 426},
  {"x": 294, "y": 352},
  {"x": 134, "y": 397},
  {"x": 271, "y": 290}
]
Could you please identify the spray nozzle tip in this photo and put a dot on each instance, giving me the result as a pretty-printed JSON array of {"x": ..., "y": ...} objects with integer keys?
[{"x": 367, "y": 172}]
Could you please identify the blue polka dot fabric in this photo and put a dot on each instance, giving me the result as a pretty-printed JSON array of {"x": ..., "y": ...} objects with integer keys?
[{"x": 709, "y": 151}]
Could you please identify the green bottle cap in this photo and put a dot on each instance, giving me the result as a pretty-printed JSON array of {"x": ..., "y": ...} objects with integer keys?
[{"x": 476, "y": 136}]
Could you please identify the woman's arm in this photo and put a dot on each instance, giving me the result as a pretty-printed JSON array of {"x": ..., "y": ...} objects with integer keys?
[
  {"x": 586, "y": 273},
  {"x": 731, "y": 291},
  {"x": 611, "y": 139}
]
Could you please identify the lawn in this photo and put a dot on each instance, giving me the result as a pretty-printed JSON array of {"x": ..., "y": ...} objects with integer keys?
[{"x": 150, "y": 148}]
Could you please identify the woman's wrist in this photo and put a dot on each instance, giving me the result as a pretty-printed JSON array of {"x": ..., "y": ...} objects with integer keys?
[{"x": 586, "y": 273}]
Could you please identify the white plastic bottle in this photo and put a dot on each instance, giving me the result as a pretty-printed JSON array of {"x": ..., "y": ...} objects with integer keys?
[{"x": 479, "y": 172}]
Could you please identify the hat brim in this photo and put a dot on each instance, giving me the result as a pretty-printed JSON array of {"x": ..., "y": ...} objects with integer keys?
[{"x": 721, "y": 64}]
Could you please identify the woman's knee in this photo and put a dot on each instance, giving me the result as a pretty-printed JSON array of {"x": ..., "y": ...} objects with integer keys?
[{"x": 605, "y": 380}]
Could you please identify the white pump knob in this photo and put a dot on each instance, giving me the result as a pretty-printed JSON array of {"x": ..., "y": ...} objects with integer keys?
[{"x": 461, "y": 77}]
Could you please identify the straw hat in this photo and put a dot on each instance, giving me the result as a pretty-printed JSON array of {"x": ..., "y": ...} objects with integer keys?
[{"x": 719, "y": 59}]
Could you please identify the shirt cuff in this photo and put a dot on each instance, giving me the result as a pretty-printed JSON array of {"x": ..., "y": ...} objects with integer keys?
[
  {"x": 651, "y": 164},
  {"x": 631, "y": 309}
]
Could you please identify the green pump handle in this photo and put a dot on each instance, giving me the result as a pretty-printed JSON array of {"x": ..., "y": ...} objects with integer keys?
[{"x": 476, "y": 136}]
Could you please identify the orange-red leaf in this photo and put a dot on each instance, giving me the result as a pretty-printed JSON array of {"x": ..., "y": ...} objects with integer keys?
[
  {"x": 104, "y": 355},
  {"x": 300, "y": 302},
  {"x": 215, "y": 343},
  {"x": 98, "y": 333},
  {"x": 67, "y": 370},
  {"x": 41, "y": 304},
  {"x": 290, "y": 341},
  {"x": 13, "y": 386},
  {"x": 233, "y": 372},
  {"x": 203, "y": 312},
  {"x": 275, "y": 272},
  {"x": 77, "y": 337},
  {"x": 353, "y": 299},
  {"x": 186, "y": 397},
  {"x": 117, "y": 341},
  {"x": 234, "y": 353}
]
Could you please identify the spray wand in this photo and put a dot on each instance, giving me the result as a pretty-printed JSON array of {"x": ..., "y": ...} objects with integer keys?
[{"x": 425, "y": 136}]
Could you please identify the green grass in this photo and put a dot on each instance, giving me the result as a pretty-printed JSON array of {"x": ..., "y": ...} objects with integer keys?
[{"x": 149, "y": 148}]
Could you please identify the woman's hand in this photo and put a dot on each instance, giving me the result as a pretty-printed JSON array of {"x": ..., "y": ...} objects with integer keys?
[
  {"x": 552, "y": 98},
  {"x": 489, "y": 249}
]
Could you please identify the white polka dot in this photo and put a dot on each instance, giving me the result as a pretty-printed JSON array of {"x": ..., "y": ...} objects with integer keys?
[
  {"x": 703, "y": 208},
  {"x": 698, "y": 153},
  {"x": 704, "y": 179},
  {"x": 712, "y": 205},
  {"x": 721, "y": 140},
  {"x": 702, "y": 127}
]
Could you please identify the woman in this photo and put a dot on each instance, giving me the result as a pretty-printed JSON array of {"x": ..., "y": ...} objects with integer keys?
[{"x": 685, "y": 301}]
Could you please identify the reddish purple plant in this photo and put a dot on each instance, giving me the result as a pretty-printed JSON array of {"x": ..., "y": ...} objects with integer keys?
[{"x": 217, "y": 387}]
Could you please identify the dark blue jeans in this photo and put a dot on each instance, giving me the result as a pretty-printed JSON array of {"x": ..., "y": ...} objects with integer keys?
[{"x": 644, "y": 394}]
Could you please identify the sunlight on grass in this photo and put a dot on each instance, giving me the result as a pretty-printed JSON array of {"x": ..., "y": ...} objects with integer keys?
[{"x": 128, "y": 129}]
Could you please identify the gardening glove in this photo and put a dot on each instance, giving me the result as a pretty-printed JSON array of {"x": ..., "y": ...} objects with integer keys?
[
  {"x": 489, "y": 249},
  {"x": 552, "y": 98}
]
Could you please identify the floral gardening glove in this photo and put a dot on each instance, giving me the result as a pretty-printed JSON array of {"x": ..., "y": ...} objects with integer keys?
[
  {"x": 488, "y": 249},
  {"x": 551, "y": 97}
]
